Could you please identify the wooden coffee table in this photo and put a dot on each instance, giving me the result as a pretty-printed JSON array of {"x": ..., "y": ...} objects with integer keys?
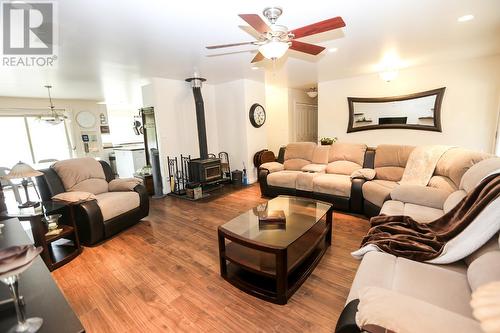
[{"x": 272, "y": 262}]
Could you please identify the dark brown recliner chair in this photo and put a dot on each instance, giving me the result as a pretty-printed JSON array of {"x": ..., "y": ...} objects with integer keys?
[{"x": 98, "y": 219}]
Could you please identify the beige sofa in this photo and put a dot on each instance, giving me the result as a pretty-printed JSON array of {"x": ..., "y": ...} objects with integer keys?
[
  {"x": 388, "y": 286},
  {"x": 321, "y": 172}
]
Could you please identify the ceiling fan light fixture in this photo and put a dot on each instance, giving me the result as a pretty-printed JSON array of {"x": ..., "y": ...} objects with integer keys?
[{"x": 274, "y": 49}]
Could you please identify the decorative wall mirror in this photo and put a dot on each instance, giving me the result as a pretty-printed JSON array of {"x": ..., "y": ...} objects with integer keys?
[{"x": 420, "y": 111}]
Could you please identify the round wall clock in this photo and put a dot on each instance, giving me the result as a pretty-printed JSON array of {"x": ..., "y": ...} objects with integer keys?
[
  {"x": 86, "y": 119},
  {"x": 257, "y": 115}
]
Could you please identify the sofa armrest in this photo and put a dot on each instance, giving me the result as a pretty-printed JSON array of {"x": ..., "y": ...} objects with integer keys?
[
  {"x": 272, "y": 167},
  {"x": 123, "y": 184},
  {"x": 356, "y": 202},
  {"x": 347, "y": 320},
  {"x": 263, "y": 173},
  {"x": 89, "y": 222},
  {"x": 143, "y": 198},
  {"x": 420, "y": 195},
  {"x": 385, "y": 309}
]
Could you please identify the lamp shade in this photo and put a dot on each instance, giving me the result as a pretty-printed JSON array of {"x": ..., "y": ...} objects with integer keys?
[
  {"x": 22, "y": 170},
  {"x": 273, "y": 49}
]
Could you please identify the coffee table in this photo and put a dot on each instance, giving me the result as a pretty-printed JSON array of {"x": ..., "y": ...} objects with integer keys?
[{"x": 271, "y": 261}]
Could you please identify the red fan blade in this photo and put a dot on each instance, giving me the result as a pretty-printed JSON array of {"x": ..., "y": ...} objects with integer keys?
[
  {"x": 316, "y": 28},
  {"x": 227, "y": 45},
  {"x": 256, "y": 22},
  {"x": 258, "y": 57},
  {"x": 306, "y": 47}
]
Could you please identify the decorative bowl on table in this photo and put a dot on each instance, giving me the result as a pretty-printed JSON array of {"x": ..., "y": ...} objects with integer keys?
[{"x": 52, "y": 221}]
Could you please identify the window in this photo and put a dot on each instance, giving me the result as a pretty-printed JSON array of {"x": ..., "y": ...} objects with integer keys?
[{"x": 29, "y": 140}]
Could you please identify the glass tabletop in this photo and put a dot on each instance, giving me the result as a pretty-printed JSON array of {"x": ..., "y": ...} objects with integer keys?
[
  {"x": 47, "y": 206},
  {"x": 301, "y": 215}
]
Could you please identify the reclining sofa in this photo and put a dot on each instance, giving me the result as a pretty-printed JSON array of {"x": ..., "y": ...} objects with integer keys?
[{"x": 110, "y": 211}]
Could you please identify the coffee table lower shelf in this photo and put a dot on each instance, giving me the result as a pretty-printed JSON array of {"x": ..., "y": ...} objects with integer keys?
[{"x": 268, "y": 282}]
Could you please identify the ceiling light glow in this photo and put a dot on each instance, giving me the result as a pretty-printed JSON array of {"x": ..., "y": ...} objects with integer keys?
[
  {"x": 465, "y": 18},
  {"x": 333, "y": 50},
  {"x": 274, "y": 49}
]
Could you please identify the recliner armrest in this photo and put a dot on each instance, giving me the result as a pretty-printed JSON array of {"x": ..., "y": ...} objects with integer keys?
[
  {"x": 356, "y": 201},
  {"x": 347, "y": 319},
  {"x": 420, "y": 195},
  {"x": 143, "y": 198},
  {"x": 272, "y": 167},
  {"x": 89, "y": 222}
]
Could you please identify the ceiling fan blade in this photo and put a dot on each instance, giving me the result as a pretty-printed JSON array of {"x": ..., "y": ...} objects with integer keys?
[
  {"x": 256, "y": 22},
  {"x": 211, "y": 47},
  {"x": 258, "y": 57},
  {"x": 306, "y": 47},
  {"x": 316, "y": 28}
]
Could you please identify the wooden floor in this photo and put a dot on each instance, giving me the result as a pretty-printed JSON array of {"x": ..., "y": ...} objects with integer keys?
[{"x": 163, "y": 275}]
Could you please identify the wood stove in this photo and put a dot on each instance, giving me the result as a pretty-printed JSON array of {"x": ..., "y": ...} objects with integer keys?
[{"x": 204, "y": 169}]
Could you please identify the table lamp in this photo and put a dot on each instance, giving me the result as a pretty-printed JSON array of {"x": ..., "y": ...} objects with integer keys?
[{"x": 24, "y": 171}]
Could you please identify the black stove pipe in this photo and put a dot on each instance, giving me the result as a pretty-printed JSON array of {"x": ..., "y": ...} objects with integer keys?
[
  {"x": 200, "y": 121},
  {"x": 200, "y": 115}
]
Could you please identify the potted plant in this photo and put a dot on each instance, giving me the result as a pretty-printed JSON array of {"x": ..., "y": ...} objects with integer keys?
[{"x": 327, "y": 141}]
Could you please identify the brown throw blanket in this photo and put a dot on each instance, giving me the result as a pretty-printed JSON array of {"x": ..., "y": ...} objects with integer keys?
[{"x": 404, "y": 237}]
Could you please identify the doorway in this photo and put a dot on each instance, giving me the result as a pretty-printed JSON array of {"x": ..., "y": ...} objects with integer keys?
[{"x": 306, "y": 122}]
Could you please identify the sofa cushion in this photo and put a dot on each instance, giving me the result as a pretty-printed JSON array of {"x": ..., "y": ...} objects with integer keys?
[
  {"x": 434, "y": 284},
  {"x": 318, "y": 168},
  {"x": 484, "y": 269},
  {"x": 420, "y": 195},
  {"x": 285, "y": 178},
  {"x": 123, "y": 184},
  {"x": 473, "y": 176},
  {"x": 342, "y": 167},
  {"x": 74, "y": 197},
  {"x": 320, "y": 155},
  {"x": 456, "y": 161},
  {"x": 113, "y": 204},
  {"x": 300, "y": 150},
  {"x": 365, "y": 173},
  {"x": 295, "y": 164},
  {"x": 422, "y": 214},
  {"x": 390, "y": 161},
  {"x": 377, "y": 191},
  {"x": 393, "y": 208},
  {"x": 453, "y": 200},
  {"x": 92, "y": 185},
  {"x": 443, "y": 183},
  {"x": 339, "y": 185},
  {"x": 383, "y": 310},
  {"x": 272, "y": 166},
  {"x": 491, "y": 245},
  {"x": 304, "y": 181},
  {"x": 77, "y": 170},
  {"x": 353, "y": 152}
]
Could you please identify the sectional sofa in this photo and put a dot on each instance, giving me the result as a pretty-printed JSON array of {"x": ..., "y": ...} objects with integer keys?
[{"x": 387, "y": 289}]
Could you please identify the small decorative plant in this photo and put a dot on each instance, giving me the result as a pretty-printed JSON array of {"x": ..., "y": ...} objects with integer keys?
[{"x": 326, "y": 141}]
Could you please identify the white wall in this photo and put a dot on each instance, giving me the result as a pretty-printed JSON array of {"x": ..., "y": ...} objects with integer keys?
[
  {"x": 175, "y": 116},
  {"x": 120, "y": 119},
  {"x": 468, "y": 114},
  {"x": 278, "y": 115},
  {"x": 13, "y": 105}
]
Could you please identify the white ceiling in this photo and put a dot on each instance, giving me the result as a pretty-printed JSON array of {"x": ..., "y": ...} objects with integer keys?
[{"x": 108, "y": 49}]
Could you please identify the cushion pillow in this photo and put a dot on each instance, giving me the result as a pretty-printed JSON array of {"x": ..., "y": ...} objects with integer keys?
[
  {"x": 342, "y": 167},
  {"x": 383, "y": 310},
  {"x": 477, "y": 172},
  {"x": 295, "y": 164},
  {"x": 123, "y": 184},
  {"x": 420, "y": 195},
  {"x": 314, "y": 168},
  {"x": 272, "y": 166},
  {"x": 364, "y": 173},
  {"x": 74, "y": 197},
  {"x": 484, "y": 269}
]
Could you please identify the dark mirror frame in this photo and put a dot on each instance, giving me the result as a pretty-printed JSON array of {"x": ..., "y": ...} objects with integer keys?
[{"x": 437, "y": 111}]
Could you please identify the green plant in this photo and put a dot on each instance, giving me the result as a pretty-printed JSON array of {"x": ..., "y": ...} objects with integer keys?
[{"x": 327, "y": 140}]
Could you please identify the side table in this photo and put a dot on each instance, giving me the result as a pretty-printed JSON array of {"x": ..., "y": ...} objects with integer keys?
[{"x": 57, "y": 249}]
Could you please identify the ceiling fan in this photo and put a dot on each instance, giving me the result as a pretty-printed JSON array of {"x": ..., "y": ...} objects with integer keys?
[{"x": 275, "y": 39}]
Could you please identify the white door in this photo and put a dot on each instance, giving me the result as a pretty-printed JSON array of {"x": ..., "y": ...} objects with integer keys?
[{"x": 306, "y": 122}]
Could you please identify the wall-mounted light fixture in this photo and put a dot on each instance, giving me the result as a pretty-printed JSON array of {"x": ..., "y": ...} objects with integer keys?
[
  {"x": 389, "y": 66},
  {"x": 313, "y": 92}
]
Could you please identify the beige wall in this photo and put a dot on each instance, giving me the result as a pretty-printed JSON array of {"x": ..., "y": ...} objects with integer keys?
[
  {"x": 278, "y": 115},
  {"x": 469, "y": 110},
  {"x": 17, "y": 106}
]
